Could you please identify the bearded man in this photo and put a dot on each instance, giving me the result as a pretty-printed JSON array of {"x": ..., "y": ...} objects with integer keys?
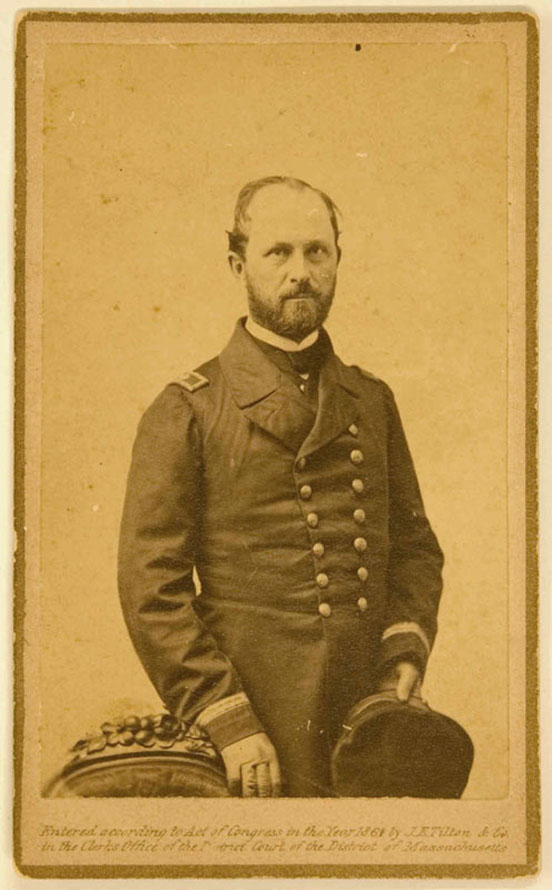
[{"x": 283, "y": 477}]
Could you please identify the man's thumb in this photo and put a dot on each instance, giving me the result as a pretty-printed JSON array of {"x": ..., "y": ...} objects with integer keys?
[{"x": 407, "y": 678}]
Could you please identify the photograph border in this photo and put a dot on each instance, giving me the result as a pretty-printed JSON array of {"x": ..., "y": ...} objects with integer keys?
[{"x": 531, "y": 462}]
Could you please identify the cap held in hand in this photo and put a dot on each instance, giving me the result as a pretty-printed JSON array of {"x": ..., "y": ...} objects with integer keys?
[{"x": 390, "y": 748}]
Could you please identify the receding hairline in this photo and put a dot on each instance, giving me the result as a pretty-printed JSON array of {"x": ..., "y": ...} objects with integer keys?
[
  {"x": 239, "y": 235},
  {"x": 246, "y": 215}
]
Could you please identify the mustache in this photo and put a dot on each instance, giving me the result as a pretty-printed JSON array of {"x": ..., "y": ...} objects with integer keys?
[{"x": 304, "y": 289}]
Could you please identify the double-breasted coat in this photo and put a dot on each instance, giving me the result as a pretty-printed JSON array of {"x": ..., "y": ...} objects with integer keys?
[{"x": 316, "y": 562}]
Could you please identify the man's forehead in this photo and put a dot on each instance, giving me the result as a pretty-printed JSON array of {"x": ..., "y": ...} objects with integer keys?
[{"x": 278, "y": 209}]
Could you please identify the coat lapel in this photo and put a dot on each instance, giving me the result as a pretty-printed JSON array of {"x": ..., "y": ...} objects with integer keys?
[
  {"x": 266, "y": 396},
  {"x": 338, "y": 406},
  {"x": 269, "y": 398}
]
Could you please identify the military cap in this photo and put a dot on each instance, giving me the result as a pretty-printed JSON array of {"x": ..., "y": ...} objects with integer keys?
[
  {"x": 152, "y": 756},
  {"x": 390, "y": 748}
]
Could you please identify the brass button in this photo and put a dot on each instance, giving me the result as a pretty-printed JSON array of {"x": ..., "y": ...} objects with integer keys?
[
  {"x": 360, "y": 545},
  {"x": 362, "y": 603},
  {"x": 325, "y": 610},
  {"x": 358, "y": 486},
  {"x": 362, "y": 573},
  {"x": 302, "y": 387},
  {"x": 356, "y": 456},
  {"x": 301, "y": 463},
  {"x": 312, "y": 520},
  {"x": 322, "y": 580},
  {"x": 305, "y": 492},
  {"x": 353, "y": 429},
  {"x": 318, "y": 549},
  {"x": 359, "y": 516}
]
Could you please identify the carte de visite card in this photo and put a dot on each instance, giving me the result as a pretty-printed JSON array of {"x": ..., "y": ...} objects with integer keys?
[{"x": 276, "y": 581}]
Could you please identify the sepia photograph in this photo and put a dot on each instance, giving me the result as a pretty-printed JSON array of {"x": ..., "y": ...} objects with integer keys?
[{"x": 276, "y": 445}]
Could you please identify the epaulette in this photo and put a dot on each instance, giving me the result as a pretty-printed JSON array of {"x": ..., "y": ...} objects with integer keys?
[{"x": 192, "y": 380}]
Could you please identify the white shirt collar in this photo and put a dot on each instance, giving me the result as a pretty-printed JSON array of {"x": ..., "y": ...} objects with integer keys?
[{"x": 276, "y": 340}]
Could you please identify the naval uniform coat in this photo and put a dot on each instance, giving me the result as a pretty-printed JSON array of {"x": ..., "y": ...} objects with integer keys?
[{"x": 317, "y": 564}]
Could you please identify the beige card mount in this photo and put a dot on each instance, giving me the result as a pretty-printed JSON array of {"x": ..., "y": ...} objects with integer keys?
[{"x": 135, "y": 134}]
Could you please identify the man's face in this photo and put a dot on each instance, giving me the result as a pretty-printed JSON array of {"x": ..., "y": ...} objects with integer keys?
[{"x": 290, "y": 261}]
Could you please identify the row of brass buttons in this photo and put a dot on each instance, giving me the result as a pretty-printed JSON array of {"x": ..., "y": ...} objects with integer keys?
[
  {"x": 359, "y": 516},
  {"x": 360, "y": 544}
]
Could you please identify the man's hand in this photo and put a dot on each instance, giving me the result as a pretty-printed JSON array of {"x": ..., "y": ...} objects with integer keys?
[
  {"x": 403, "y": 679},
  {"x": 252, "y": 768}
]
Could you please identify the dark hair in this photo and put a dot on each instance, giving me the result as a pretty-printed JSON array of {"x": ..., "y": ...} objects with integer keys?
[{"x": 238, "y": 237}]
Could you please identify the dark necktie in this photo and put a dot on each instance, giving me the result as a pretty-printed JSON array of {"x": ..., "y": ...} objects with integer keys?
[{"x": 307, "y": 361}]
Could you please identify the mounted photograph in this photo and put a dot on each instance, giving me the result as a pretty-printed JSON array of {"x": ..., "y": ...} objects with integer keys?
[{"x": 276, "y": 445}]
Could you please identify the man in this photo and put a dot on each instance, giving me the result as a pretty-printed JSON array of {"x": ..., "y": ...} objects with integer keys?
[{"x": 282, "y": 476}]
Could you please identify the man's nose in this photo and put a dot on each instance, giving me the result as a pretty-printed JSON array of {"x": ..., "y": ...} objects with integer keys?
[{"x": 298, "y": 269}]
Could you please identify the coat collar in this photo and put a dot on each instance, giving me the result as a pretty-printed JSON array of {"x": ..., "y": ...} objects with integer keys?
[{"x": 271, "y": 400}]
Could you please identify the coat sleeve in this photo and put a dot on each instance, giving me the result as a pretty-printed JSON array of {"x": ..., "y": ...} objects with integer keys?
[
  {"x": 415, "y": 558},
  {"x": 159, "y": 535}
]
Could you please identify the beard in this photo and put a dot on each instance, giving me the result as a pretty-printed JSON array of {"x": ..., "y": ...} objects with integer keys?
[{"x": 296, "y": 314}]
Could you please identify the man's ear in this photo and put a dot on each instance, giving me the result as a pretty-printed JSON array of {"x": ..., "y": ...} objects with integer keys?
[{"x": 237, "y": 264}]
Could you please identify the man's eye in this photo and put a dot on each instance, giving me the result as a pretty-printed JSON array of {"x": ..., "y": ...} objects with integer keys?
[
  {"x": 317, "y": 250},
  {"x": 278, "y": 252}
]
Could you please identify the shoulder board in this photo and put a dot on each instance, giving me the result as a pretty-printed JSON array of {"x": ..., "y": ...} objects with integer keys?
[{"x": 192, "y": 380}]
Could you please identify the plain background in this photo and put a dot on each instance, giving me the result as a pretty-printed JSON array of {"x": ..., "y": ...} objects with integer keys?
[{"x": 405, "y": 384}]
